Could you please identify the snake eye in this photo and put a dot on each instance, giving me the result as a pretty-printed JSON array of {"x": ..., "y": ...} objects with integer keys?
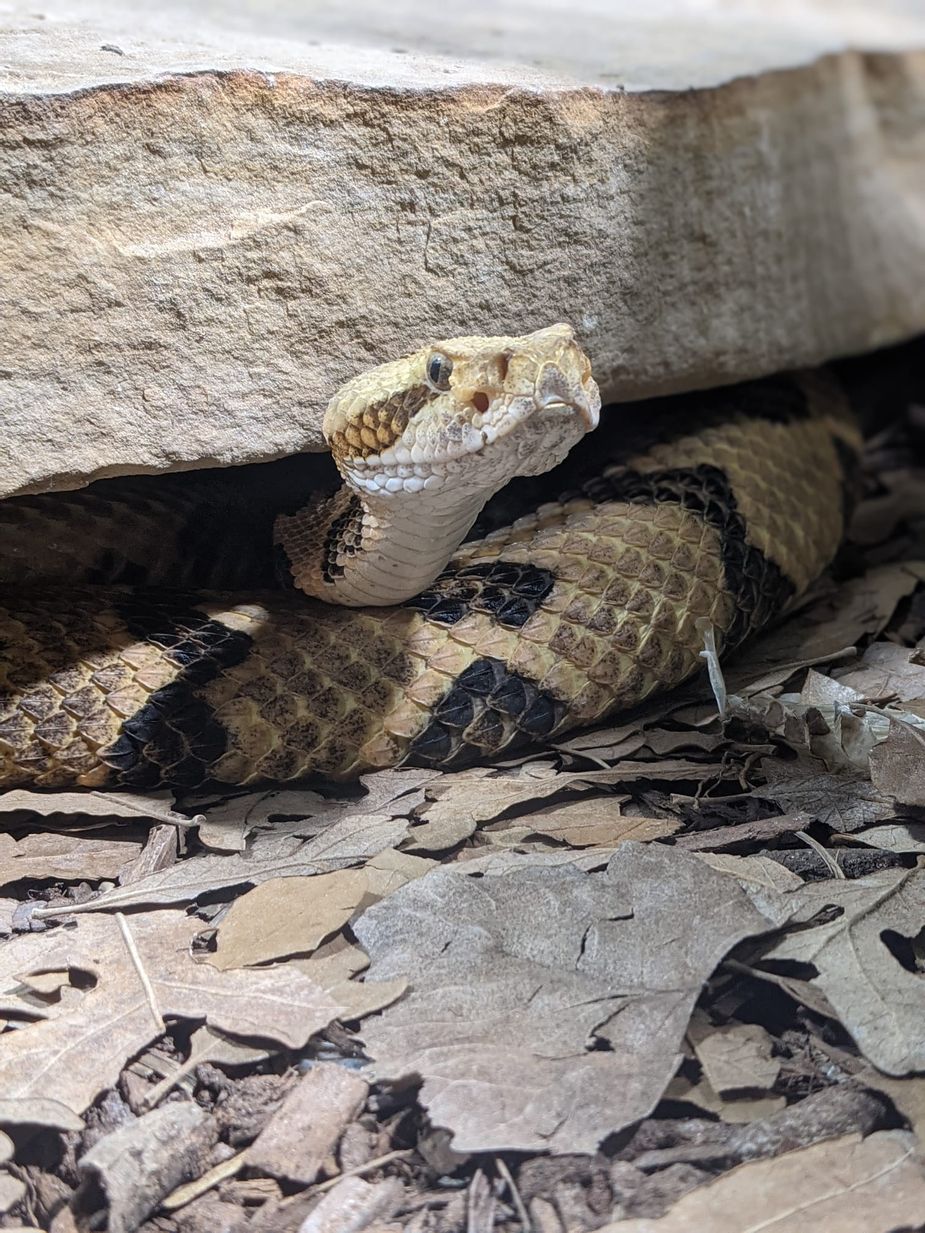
[{"x": 439, "y": 370}]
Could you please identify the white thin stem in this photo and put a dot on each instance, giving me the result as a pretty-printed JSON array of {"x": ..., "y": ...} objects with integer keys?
[{"x": 142, "y": 974}]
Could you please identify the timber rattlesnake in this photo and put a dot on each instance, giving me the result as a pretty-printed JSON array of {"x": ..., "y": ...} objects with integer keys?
[{"x": 584, "y": 592}]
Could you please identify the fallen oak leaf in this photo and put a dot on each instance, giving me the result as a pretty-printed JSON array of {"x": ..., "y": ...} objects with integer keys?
[
  {"x": 344, "y": 843},
  {"x": 136, "y": 806},
  {"x": 286, "y": 916},
  {"x": 477, "y": 861},
  {"x": 301, "y": 811},
  {"x": 735, "y": 1056},
  {"x": 63, "y": 858},
  {"x": 758, "y": 831},
  {"x": 844, "y": 801},
  {"x": 870, "y": 1185},
  {"x": 333, "y": 966},
  {"x": 897, "y": 764},
  {"x": 875, "y": 998},
  {"x": 459, "y": 803},
  {"x": 597, "y": 822},
  {"x": 825, "y": 630},
  {"x": 81, "y": 1050},
  {"x": 886, "y": 671},
  {"x": 514, "y": 975},
  {"x": 900, "y": 836}
]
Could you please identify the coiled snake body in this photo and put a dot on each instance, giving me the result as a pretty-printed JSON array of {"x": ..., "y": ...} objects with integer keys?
[{"x": 584, "y": 593}]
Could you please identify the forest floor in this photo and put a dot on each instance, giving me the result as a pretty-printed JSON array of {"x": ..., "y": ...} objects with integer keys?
[{"x": 667, "y": 975}]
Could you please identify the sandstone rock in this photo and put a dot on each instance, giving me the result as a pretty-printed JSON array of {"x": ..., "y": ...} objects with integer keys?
[{"x": 212, "y": 217}]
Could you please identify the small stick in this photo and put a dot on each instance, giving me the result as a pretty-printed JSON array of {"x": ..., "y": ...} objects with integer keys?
[
  {"x": 823, "y": 853},
  {"x": 360, "y": 1170},
  {"x": 142, "y": 974},
  {"x": 515, "y": 1195},
  {"x": 192, "y": 1190}
]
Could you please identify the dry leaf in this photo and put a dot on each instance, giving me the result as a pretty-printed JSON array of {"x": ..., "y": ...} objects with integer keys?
[
  {"x": 664, "y": 741},
  {"x": 332, "y": 968},
  {"x": 827, "y": 629},
  {"x": 343, "y": 843},
  {"x": 844, "y": 801},
  {"x": 605, "y": 744},
  {"x": 71, "y": 1057},
  {"x": 735, "y": 1057},
  {"x": 389, "y": 869},
  {"x": 877, "y": 517},
  {"x": 286, "y": 916},
  {"x": 515, "y": 975},
  {"x": 503, "y": 861},
  {"x": 758, "y": 872},
  {"x": 854, "y": 1185},
  {"x": 894, "y": 837},
  {"x": 821, "y": 690},
  {"x": 299, "y": 811},
  {"x": 305, "y": 1129},
  {"x": 876, "y": 999},
  {"x": 597, "y": 823},
  {"x": 887, "y": 671},
  {"x": 145, "y": 807},
  {"x": 459, "y": 803},
  {"x": 759, "y": 831},
  {"x": 65, "y": 858},
  {"x": 897, "y": 765}
]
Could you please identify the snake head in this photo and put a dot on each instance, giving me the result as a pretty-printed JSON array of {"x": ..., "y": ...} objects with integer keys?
[{"x": 466, "y": 414}]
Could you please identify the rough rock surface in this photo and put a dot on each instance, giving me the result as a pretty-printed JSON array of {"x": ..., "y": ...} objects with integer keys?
[{"x": 212, "y": 217}]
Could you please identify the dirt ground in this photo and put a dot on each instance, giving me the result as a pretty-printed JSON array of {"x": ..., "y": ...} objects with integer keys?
[{"x": 664, "y": 976}]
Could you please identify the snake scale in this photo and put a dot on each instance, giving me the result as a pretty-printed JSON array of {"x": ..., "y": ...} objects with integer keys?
[{"x": 576, "y": 594}]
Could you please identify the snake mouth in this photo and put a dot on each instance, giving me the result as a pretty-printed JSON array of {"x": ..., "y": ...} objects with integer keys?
[
  {"x": 585, "y": 409},
  {"x": 560, "y": 389}
]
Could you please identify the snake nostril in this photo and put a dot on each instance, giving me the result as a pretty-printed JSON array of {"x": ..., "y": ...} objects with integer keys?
[{"x": 480, "y": 402}]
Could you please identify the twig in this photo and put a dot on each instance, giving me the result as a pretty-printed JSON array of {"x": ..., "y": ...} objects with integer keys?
[
  {"x": 192, "y": 1190},
  {"x": 169, "y": 1082},
  {"x": 361, "y": 1170},
  {"x": 823, "y": 853},
  {"x": 526, "y": 1223},
  {"x": 142, "y": 974}
]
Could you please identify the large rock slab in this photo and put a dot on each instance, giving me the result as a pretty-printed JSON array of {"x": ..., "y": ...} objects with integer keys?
[{"x": 212, "y": 217}]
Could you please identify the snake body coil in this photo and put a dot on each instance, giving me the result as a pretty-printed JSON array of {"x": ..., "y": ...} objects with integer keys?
[{"x": 718, "y": 507}]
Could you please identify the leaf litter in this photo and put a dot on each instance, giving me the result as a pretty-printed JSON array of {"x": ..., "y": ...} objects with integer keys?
[{"x": 665, "y": 974}]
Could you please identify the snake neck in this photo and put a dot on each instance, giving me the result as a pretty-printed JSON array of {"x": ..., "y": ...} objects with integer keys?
[{"x": 374, "y": 550}]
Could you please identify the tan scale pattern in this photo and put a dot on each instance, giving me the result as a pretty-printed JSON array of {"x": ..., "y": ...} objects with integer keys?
[
  {"x": 320, "y": 538},
  {"x": 786, "y": 477}
]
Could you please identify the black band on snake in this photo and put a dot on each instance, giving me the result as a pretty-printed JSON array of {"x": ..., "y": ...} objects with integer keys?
[{"x": 579, "y": 592}]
